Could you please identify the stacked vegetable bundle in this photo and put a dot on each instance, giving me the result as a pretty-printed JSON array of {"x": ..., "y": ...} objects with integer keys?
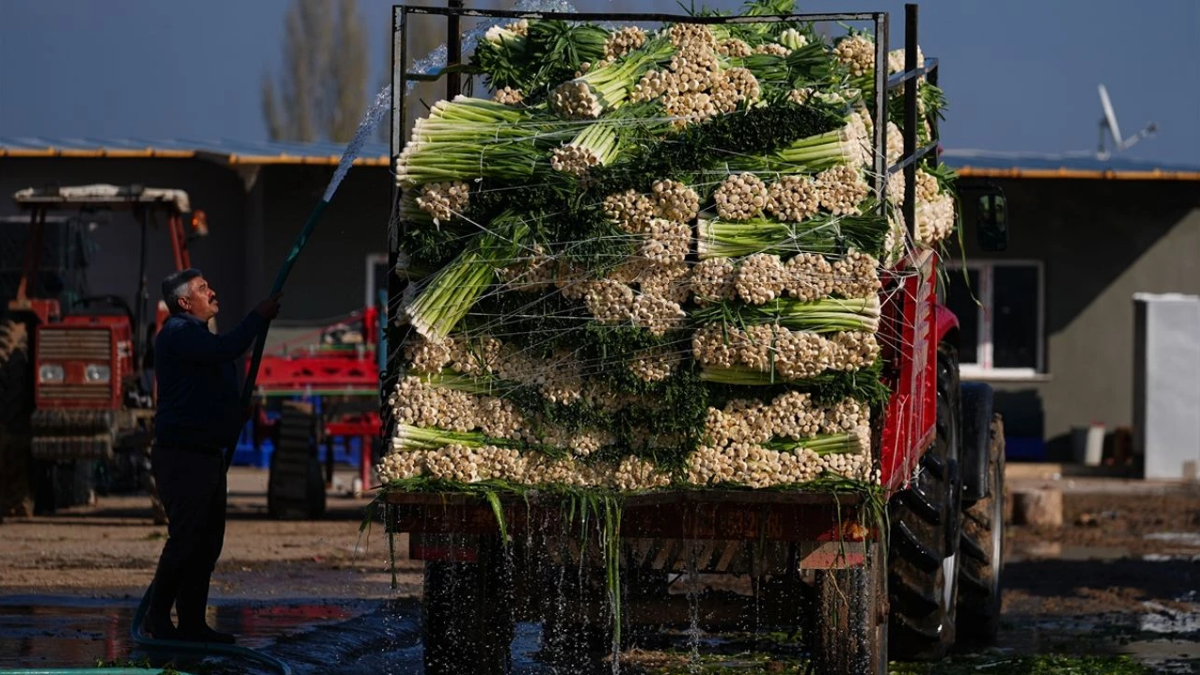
[{"x": 654, "y": 260}]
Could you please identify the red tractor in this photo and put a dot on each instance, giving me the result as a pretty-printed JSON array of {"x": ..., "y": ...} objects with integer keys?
[{"x": 78, "y": 416}]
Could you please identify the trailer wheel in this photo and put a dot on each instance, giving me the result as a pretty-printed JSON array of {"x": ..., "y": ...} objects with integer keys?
[
  {"x": 925, "y": 532},
  {"x": 848, "y": 622},
  {"x": 468, "y": 623},
  {"x": 983, "y": 551},
  {"x": 16, "y": 407}
]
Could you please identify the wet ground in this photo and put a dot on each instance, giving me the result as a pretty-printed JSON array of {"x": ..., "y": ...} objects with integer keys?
[{"x": 1116, "y": 590}]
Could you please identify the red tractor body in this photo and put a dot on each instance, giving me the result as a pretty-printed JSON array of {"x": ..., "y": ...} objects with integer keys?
[{"x": 88, "y": 396}]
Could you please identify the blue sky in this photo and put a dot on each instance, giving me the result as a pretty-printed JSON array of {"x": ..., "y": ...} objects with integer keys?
[{"x": 1021, "y": 75}]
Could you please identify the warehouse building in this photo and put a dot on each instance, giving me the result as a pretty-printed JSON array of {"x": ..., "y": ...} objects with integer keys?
[
  {"x": 256, "y": 197},
  {"x": 1053, "y": 328}
]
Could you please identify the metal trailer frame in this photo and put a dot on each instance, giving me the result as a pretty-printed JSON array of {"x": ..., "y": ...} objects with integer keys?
[
  {"x": 826, "y": 542},
  {"x": 913, "y": 398}
]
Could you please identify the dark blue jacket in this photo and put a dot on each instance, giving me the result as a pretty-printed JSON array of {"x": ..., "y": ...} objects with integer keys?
[{"x": 199, "y": 399}]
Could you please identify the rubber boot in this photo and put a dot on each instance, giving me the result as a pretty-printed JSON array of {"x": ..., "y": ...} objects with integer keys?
[
  {"x": 162, "y": 596},
  {"x": 192, "y": 607}
]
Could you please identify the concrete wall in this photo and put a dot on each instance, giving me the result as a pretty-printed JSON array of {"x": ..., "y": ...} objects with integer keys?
[
  {"x": 1101, "y": 241},
  {"x": 329, "y": 278}
]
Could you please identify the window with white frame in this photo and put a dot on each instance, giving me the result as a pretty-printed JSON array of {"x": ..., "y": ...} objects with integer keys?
[
  {"x": 1001, "y": 316},
  {"x": 377, "y": 277}
]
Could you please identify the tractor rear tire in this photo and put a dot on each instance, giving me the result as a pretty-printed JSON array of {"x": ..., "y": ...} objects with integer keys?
[
  {"x": 16, "y": 409},
  {"x": 925, "y": 532},
  {"x": 982, "y": 547},
  {"x": 848, "y": 626}
]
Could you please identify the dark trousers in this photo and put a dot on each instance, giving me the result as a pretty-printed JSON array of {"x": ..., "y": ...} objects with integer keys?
[{"x": 192, "y": 485}]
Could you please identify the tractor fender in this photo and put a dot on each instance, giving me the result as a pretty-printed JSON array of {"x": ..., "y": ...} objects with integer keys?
[
  {"x": 945, "y": 325},
  {"x": 977, "y": 405}
]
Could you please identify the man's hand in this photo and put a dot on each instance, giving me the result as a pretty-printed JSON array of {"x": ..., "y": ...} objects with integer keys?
[{"x": 269, "y": 308}]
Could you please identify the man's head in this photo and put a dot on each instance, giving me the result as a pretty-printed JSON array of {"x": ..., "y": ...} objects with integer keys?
[{"x": 187, "y": 292}]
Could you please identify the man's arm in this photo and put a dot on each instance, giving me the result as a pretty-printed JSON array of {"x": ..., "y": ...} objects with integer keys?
[{"x": 196, "y": 343}]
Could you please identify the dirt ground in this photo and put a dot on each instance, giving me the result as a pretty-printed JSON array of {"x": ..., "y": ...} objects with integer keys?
[
  {"x": 111, "y": 549},
  {"x": 1128, "y": 556}
]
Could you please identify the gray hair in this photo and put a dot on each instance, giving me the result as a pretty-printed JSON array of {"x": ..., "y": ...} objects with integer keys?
[{"x": 176, "y": 286}]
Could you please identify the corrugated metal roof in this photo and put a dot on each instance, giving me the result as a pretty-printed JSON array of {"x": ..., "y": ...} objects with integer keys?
[
  {"x": 222, "y": 150},
  {"x": 984, "y": 163},
  {"x": 994, "y": 164}
]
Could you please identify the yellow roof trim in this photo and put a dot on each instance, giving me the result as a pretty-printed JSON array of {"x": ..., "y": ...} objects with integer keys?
[
  {"x": 114, "y": 153},
  {"x": 331, "y": 160},
  {"x": 1156, "y": 174},
  {"x": 46, "y": 152},
  {"x": 156, "y": 153}
]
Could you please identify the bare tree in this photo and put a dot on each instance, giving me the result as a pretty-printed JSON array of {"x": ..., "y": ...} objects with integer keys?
[
  {"x": 349, "y": 71},
  {"x": 322, "y": 84}
]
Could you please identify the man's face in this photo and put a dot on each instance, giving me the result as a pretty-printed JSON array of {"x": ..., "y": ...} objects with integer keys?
[{"x": 201, "y": 300}]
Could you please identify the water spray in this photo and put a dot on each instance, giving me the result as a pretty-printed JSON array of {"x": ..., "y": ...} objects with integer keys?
[{"x": 368, "y": 125}]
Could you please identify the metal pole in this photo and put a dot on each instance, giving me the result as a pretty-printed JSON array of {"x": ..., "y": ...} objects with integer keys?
[
  {"x": 389, "y": 346},
  {"x": 140, "y": 316},
  {"x": 453, "y": 49},
  {"x": 33, "y": 256},
  {"x": 910, "y": 118},
  {"x": 880, "y": 113},
  {"x": 936, "y": 135}
]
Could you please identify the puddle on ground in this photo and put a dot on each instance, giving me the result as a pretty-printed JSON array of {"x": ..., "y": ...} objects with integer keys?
[
  {"x": 1181, "y": 538},
  {"x": 49, "y": 632},
  {"x": 348, "y": 638},
  {"x": 373, "y": 637}
]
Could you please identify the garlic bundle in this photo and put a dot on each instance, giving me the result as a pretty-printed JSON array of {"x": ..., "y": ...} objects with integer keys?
[
  {"x": 508, "y": 96},
  {"x": 791, "y": 354},
  {"x": 840, "y": 190},
  {"x": 760, "y": 278},
  {"x": 573, "y": 159},
  {"x": 714, "y": 280},
  {"x": 857, "y": 53},
  {"x": 574, "y": 100},
  {"x": 631, "y": 211},
  {"x": 741, "y": 197},
  {"x": 772, "y": 48},
  {"x": 623, "y": 41},
  {"x": 675, "y": 201},
  {"x": 793, "y": 198},
  {"x": 444, "y": 200}
]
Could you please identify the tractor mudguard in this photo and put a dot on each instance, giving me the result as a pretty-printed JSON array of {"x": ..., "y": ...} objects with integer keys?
[{"x": 977, "y": 406}]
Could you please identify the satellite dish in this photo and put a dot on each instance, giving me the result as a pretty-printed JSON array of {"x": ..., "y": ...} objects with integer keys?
[{"x": 1109, "y": 123}]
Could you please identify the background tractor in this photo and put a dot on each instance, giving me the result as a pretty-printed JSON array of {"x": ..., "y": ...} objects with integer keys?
[{"x": 76, "y": 368}]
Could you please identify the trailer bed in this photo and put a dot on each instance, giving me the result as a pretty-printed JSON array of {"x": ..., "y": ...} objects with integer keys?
[{"x": 714, "y": 529}]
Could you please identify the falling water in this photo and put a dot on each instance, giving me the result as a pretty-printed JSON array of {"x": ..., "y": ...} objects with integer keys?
[{"x": 693, "y": 591}]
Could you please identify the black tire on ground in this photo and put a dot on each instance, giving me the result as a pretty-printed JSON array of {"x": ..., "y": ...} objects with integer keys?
[
  {"x": 925, "y": 532},
  {"x": 848, "y": 620},
  {"x": 982, "y": 547},
  {"x": 16, "y": 408},
  {"x": 468, "y": 623}
]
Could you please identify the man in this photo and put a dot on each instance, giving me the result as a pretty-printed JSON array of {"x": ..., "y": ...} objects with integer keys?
[{"x": 199, "y": 414}]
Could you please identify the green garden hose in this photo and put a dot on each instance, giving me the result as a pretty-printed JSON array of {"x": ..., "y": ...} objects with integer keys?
[{"x": 89, "y": 671}]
